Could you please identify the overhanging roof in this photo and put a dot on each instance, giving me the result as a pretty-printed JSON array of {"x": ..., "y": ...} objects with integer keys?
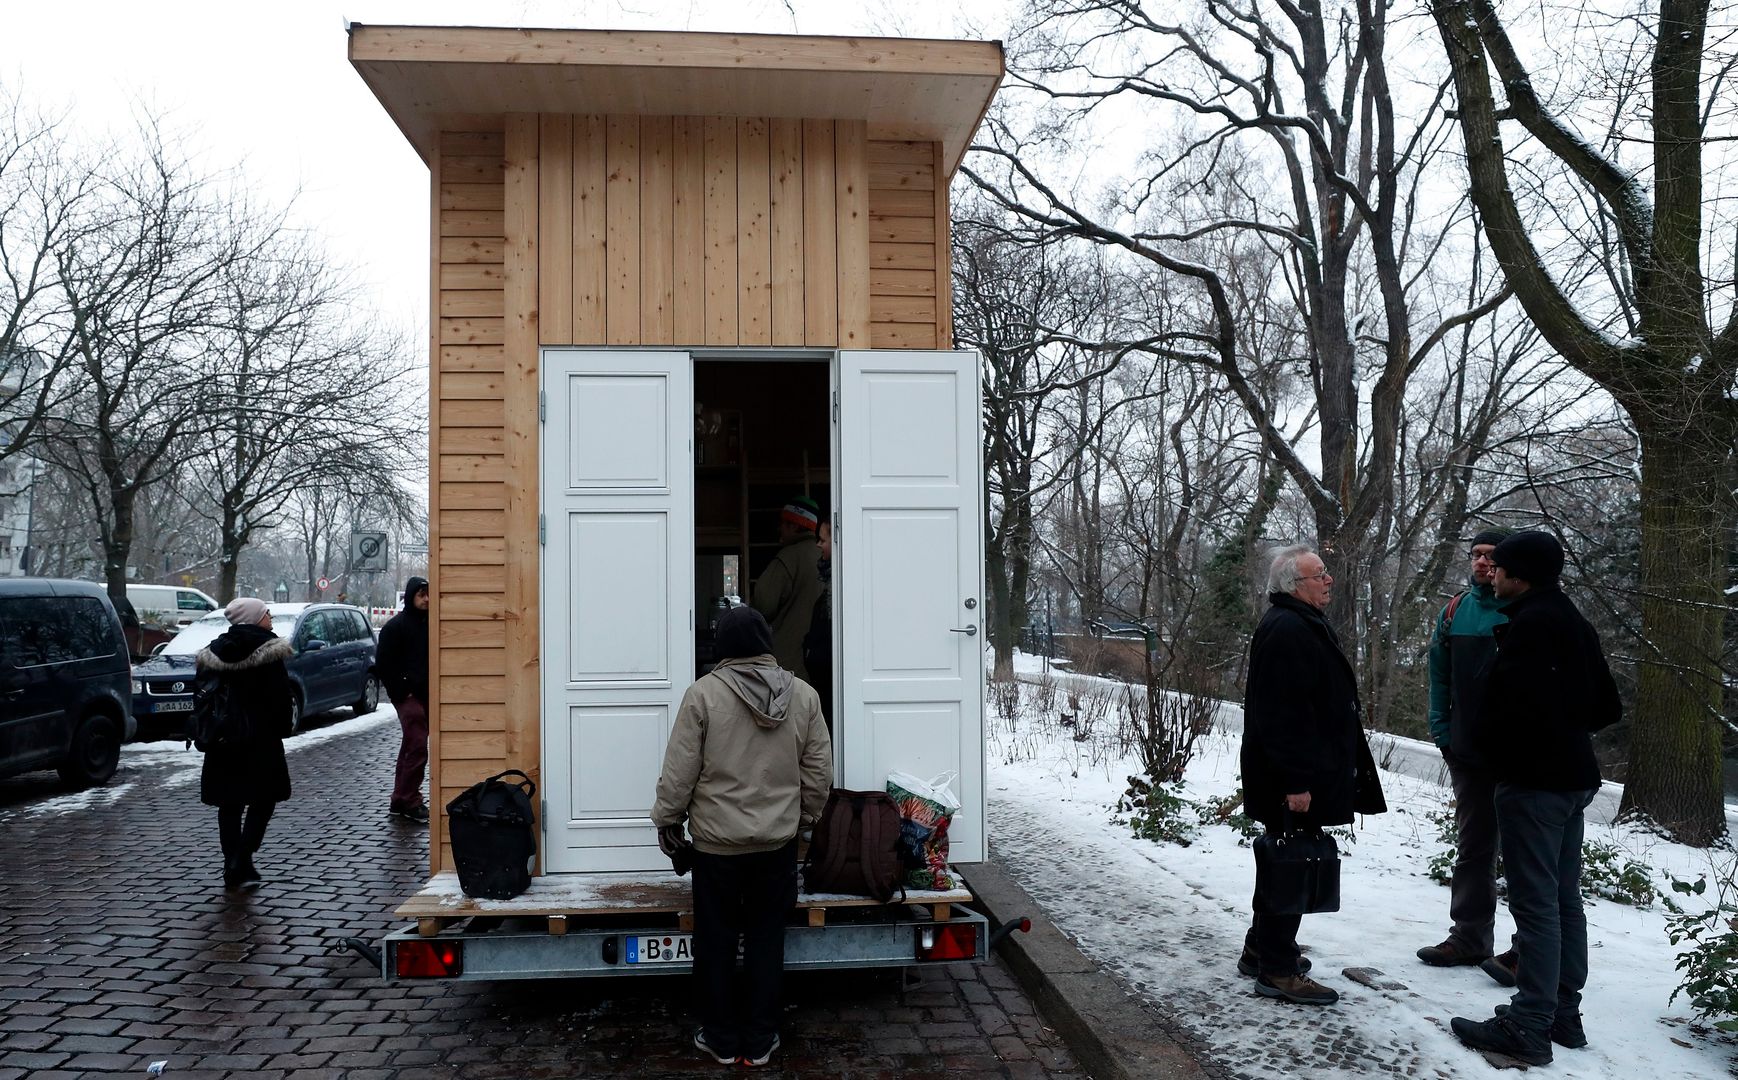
[{"x": 906, "y": 88}]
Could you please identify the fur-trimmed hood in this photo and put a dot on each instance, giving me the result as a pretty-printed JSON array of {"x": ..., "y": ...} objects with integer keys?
[{"x": 247, "y": 653}]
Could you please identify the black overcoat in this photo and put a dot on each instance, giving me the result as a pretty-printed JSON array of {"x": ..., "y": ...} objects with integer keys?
[
  {"x": 1301, "y": 726},
  {"x": 251, "y": 659},
  {"x": 1546, "y": 689}
]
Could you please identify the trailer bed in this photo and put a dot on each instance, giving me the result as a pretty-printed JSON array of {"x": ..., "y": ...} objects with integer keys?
[{"x": 576, "y": 925}]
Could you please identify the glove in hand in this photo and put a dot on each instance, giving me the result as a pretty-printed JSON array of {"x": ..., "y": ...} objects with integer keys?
[{"x": 671, "y": 838}]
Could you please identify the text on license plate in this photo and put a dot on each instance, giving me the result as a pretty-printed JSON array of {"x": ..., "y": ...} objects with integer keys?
[
  {"x": 660, "y": 948},
  {"x": 175, "y": 706}
]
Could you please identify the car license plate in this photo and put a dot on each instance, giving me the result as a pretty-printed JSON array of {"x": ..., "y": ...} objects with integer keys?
[
  {"x": 660, "y": 948},
  {"x": 175, "y": 706}
]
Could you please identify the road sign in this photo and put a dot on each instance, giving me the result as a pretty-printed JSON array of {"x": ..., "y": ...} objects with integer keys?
[
  {"x": 323, "y": 584},
  {"x": 367, "y": 552}
]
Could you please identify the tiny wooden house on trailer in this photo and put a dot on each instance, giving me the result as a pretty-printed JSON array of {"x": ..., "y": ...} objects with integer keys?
[{"x": 676, "y": 279}]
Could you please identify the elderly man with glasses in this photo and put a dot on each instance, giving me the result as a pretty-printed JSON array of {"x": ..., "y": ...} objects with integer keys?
[{"x": 1305, "y": 759}]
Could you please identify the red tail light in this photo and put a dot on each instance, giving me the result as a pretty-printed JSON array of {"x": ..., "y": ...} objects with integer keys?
[
  {"x": 430, "y": 959},
  {"x": 956, "y": 942}
]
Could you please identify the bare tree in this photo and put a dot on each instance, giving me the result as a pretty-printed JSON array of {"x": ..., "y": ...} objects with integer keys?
[
  {"x": 1020, "y": 302},
  {"x": 142, "y": 281},
  {"x": 44, "y": 189},
  {"x": 308, "y": 392},
  {"x": 1640, "y": 322},
  {"x": 1325, "y": 184}
]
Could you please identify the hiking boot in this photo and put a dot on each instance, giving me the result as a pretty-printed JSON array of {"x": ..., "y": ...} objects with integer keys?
[
  {"x": 1500, "y": 1035},
  {"x": 417, "y": 813},
  {"x": 1566, "y": 1029},
  {"x": 1451, "y": 953},
  {"x": 755, "y": 1061},
  {"x": 1502, "y": 967},
  {"x": 715, "y": 1054},
  {"x": 1297, "y": 989},
  {"x": 1249, "y": 964}
]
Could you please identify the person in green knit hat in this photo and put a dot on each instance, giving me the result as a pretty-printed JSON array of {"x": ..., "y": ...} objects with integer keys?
[
  {"x": 1461, "y": 644},
  {"x": 787, "y": 589}
]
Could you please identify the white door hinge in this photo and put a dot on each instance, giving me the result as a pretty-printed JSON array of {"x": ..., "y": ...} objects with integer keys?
[
  {"x": 835, "y": 406},
  {"x": 542, "y": 530},
  {"x": 542, "y": 406}
]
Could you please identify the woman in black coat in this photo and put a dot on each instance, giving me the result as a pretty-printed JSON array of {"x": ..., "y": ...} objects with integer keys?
[{"x": 247, "y": 778}]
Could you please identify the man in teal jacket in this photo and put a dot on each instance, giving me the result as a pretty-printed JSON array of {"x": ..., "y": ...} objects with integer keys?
[{"x": 1460, "y": 646}]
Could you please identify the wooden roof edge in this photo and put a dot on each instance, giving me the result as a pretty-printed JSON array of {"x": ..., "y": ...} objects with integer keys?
[{"x": 672, "y": 48}]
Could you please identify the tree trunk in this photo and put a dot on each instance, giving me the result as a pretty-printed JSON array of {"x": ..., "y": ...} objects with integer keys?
[
  {"x": 1003, "y": 631},
  {"x": 1674, "y": 751}
]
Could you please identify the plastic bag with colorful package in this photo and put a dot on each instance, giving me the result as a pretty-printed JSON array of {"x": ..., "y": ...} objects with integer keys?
[{"x": 926, "y": 807}]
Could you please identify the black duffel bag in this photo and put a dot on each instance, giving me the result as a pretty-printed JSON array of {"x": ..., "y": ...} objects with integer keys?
[
  {"x": 494, "y": 834},
  {"x": 1297, "y": 871}
]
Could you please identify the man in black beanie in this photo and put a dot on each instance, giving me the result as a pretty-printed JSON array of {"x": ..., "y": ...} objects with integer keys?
[
  {"x": 748, "y": 765},
  {"x": 1461, "y": 645},
  {"x": 1545, "y": 691}
]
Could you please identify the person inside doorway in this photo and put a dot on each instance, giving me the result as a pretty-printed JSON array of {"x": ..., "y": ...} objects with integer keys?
[
  {"x": 787, "y": 590},
  {"x": 818, "y": 643}
]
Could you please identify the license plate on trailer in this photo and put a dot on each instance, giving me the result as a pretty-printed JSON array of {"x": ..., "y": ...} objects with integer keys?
[
  {"x": 660, "y": 948},
  {"x": 175, "y": 706}
]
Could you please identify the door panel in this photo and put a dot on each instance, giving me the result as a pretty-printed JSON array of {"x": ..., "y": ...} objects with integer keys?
[
  {"x": 908, "y": 570},
  {"x": 618, "y": 569}
]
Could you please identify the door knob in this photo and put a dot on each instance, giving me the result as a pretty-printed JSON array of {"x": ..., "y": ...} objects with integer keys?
[{"x": 968, "y": 631}]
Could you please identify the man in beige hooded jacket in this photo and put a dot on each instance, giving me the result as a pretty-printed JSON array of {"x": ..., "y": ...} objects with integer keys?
[{"x": 748, "y": 765}]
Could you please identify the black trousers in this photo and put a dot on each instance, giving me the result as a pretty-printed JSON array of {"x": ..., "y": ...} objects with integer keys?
[
  {"x": 1273, "y": 939},
  {"x": 242, "y": 836},
  {"x": 746, "y": 897},
  {"x": 1542, "y": 833},
  {"x": 1472, "y": 893}
]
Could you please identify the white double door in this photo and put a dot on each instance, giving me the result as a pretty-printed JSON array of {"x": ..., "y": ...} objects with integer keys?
[{"x": 618, "y": 567}]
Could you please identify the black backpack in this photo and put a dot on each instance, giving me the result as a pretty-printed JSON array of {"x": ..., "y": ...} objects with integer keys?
[
  {"x": 493, "y": 827},
  {"x": 220, "y": 718},
  {"x": 855, "y": 848}
]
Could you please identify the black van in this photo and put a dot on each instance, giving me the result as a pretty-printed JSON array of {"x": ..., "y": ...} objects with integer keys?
[{"x": 65, "y": 680}]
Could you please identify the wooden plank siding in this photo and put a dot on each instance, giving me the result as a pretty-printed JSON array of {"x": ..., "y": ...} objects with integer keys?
[
  {"x": 735, "y": 232},
  {"x": 908, "y": 236},
  {"x": 621, "y": 230},
  {"x": 468, "y": 493}
]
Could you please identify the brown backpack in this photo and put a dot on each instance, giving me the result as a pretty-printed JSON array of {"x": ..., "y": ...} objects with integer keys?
[{"x": 855, "y": 849}]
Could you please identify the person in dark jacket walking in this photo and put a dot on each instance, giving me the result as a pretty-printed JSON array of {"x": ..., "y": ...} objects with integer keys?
[
  {"x": 246, "y": 779},
  {"x": 1306, "y": 762},
  {"x": 1460, "y": 647},
  {"x": 402, "y": 661},
  {"x": 1545, "y": 691}
]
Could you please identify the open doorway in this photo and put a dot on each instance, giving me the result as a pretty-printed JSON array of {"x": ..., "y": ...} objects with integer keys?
[{"x": 762, "y": 442}]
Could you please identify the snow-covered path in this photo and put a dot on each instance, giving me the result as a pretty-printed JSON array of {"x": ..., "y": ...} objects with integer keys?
[{"x": 1168, "y": 921}]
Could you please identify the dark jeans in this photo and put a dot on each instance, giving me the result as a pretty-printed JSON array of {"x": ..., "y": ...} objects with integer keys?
[
  {"x": 1542, "y": 860},
  {"x": 1273, "y": 940},
  {"x": 747, "y": 896},
  {"x": 1472, "y": 900},
  {"x": 412, "y": 752},
  {"x": 242, "y": 836}
]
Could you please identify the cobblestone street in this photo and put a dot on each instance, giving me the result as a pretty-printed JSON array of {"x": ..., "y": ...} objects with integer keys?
[{"x": 119, "y": 948}]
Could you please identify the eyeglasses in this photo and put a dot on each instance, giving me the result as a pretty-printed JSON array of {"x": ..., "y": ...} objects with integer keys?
[{"x": 1323, "y": 576}]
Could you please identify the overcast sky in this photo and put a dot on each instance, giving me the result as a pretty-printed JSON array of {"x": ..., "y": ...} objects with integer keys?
[{"x": 266, "y": 84}]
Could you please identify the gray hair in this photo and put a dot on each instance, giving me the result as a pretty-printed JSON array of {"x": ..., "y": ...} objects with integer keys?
[{"x": 1282, "y": 575}]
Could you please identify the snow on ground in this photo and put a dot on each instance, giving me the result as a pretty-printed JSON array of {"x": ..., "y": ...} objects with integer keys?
[
  {"x": 182, "y": 763},
  {"x": 1168, "y": 921}
]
